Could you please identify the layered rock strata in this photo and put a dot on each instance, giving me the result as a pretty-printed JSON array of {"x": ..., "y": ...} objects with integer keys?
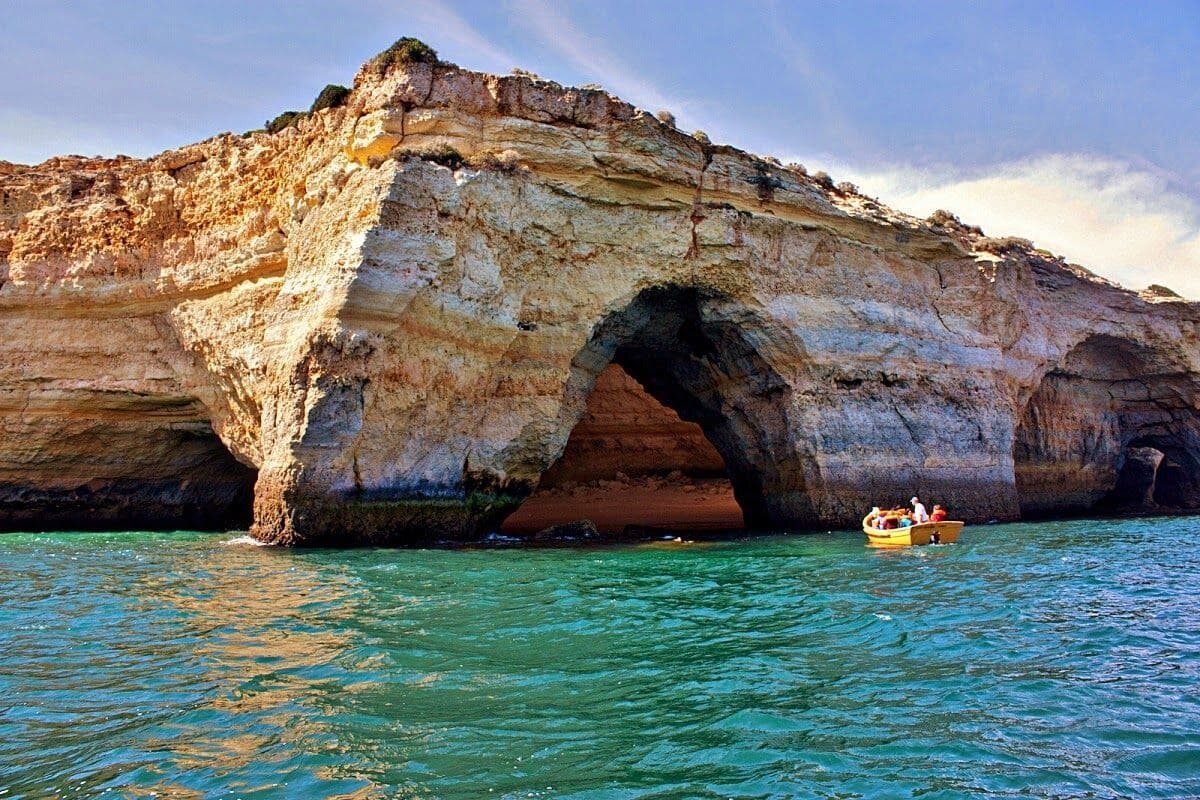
[{"x": 395, "y": 345}]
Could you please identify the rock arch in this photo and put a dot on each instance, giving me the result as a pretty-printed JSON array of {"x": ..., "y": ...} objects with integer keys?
[
  {"x": 1113, "y": 426},
  {"x": 701, "y": 355},
  {"x": 401, "y": 340}
]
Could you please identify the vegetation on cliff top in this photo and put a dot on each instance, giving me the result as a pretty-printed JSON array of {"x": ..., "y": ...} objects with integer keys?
[
  {"x": 1004, "y": 245},
  {"x": 1158, "y": 290},
  {"x": 946, "y": 219},
  {"x": 285, "y": 120},
  {"x": 405, "y": 50},
  {"x": 332, "y": 96}
]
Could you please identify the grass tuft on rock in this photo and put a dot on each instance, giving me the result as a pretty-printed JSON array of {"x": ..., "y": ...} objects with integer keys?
[
  {"x": 1003, "y": 245},
  {"x": 1158, "y": 290},
  {"x": 506, "y": 161},
  {"x": 405, "y": 50},
  {"x": 332, "y": 96},
  {"x": 946, "y": 219},
  {"x": 442, "y": 154}
]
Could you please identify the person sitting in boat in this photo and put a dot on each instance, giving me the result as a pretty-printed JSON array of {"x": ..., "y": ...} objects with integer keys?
[
  {"x": 890, "y": 521},
  {"x": 938, "y": 515},
  {"x": 919, "y": 513},
  {"x": 906, "y": 521}
]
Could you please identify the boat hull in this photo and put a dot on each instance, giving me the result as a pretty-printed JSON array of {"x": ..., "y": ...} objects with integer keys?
[{"x": 925, "y": 533}]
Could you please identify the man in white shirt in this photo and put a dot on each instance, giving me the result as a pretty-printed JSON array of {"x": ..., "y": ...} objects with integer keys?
[{"x": 919, "y": 512}]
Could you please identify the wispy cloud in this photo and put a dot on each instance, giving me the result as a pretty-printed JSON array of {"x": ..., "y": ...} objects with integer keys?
[
  {"x": 814, "y": 80},
  {"x": 446, "y": 24},
  {"x": 592, "y": 58},
  {"x": 1123, "y": 222}
]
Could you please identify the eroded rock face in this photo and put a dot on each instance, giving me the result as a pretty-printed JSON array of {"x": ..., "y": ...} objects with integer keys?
[
  {"x": 1115, "y": 425},
  {"x": 399, "y": 350},
  {"x": 626, "y": 431}
]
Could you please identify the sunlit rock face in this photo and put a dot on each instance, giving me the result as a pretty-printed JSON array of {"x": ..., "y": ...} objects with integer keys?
[{"x": 396, "y": 348}]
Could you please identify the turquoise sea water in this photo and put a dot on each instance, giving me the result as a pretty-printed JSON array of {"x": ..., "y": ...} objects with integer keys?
[{"x": 1047, "y": 660}]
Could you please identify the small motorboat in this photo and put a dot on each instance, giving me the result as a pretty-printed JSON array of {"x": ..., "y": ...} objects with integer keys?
[{"x": 945, "y": 532}]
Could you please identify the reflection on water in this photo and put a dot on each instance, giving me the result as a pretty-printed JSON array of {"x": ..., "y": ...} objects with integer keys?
[
  {"x": 1056, "y": 660},
  {"x": 266, "y": 636}
]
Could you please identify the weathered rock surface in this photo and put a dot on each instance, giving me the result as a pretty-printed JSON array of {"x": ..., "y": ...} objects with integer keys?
[
  {"x": 625, "y": 431},
  {"x": 398, "y": 350}
]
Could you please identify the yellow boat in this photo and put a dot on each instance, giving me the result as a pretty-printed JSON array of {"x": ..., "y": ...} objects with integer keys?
[{"x": 945, "y": 532}]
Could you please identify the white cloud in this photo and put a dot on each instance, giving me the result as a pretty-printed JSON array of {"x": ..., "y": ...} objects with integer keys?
[{"x": 1120, "y": 221}]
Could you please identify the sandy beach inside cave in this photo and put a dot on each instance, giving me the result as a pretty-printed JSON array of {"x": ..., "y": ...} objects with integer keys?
[{"x": 681, "y": 505}]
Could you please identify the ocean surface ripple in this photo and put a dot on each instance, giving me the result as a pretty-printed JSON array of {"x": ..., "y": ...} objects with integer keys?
[{"x": 1035, "y": 660}]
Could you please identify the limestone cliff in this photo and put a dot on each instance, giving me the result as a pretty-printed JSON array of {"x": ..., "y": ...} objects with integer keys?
[{"x": 390, "y": 317}]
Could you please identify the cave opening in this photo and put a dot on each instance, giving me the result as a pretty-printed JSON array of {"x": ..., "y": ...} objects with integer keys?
[
  {"x": 1113, "y": 429},
  {"x": 678, "y": 423},
  {"x": 213, "y": 490},
  {"x": 136, "y": 471}
]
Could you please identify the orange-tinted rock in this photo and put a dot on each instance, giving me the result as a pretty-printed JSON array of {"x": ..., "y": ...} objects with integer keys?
[{"x": 401, "y": 349}]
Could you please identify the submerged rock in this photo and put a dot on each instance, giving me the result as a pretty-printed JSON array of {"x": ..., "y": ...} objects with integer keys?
[
  {"x": 384, "y": 321},
  {"x": 578, "y": 531}
]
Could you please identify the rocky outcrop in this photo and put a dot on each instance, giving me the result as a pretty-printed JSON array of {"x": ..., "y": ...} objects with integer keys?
[{"x": 391, "y": 316}]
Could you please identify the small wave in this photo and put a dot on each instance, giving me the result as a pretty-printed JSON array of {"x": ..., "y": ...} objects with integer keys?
[
  {"x": 884, "y": 617},
  {"x": 246, "y": 539}
]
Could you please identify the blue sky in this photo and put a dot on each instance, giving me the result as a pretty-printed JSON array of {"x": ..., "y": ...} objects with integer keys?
[{"x": 1071, "y": 123}]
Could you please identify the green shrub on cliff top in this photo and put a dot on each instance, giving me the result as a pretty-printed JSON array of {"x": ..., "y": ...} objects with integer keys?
[
  {"x": 331, "y": 96},
  {"x": 285, "y": 120},
  {"x": 406, "y": 50}
]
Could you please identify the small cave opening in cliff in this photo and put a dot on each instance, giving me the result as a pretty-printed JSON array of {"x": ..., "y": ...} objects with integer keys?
[
  {"x": 136, "y": 469},
  {"x": 679, "y": 427},
  {"x": 1112, "y": 430}
]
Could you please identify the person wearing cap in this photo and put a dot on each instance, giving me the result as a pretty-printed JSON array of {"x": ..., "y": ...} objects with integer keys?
[{"x": 919, "y": 513}]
